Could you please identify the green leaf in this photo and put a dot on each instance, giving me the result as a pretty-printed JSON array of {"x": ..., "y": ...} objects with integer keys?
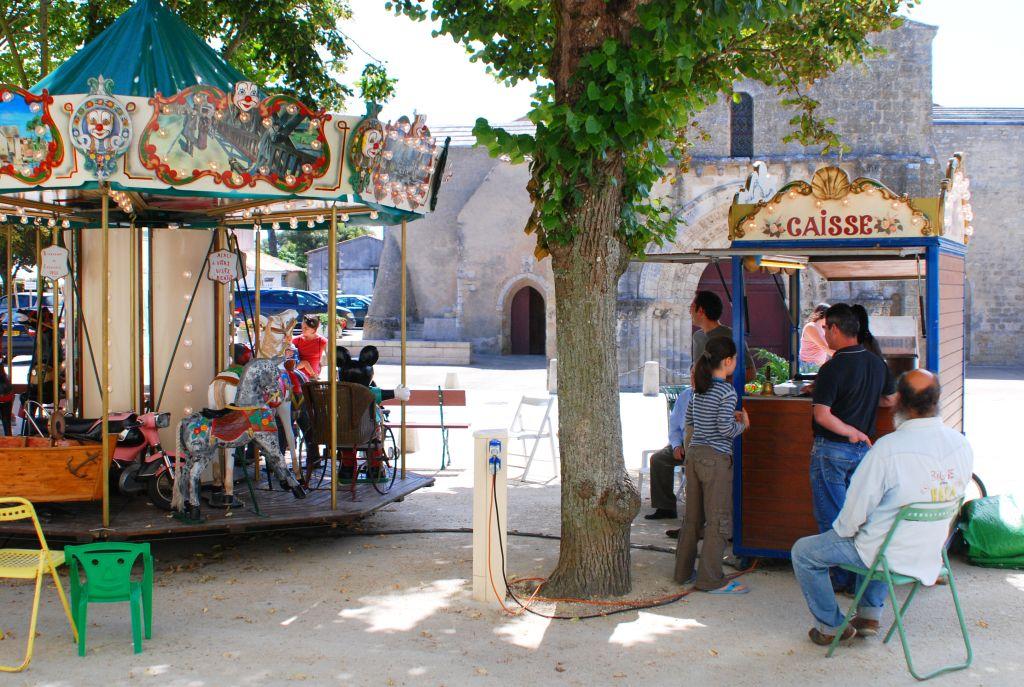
[{"x": 593, "y": 126}]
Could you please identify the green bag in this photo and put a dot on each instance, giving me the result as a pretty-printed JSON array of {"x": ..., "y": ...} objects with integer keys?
[{"x": 993, "y": 529}]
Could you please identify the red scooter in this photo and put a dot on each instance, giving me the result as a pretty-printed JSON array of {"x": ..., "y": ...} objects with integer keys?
[{"x": 140, "y": 463}]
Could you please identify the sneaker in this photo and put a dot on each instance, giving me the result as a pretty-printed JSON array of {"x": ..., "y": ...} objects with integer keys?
[
  {"x": 672, "y": 534},
  {"x": 865, "y": 626},
  {"x": 822, "y": 639},
  {"x": 661, "y": 514}
]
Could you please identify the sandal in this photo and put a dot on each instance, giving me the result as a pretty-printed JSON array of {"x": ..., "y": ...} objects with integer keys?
[{"x": 732, "y": 587}]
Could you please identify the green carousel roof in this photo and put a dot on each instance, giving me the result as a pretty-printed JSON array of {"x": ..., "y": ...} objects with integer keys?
[{"x": 147, "y": 49}]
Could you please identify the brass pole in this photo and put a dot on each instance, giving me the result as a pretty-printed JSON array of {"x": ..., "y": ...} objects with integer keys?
[
  {"x": 140, "y": 322},
  {"x": 151, "y": 319},
  {"x": 332, "y": 338},
  {"x": 55, "y": 350},
  {"x": 133, "y": 337},
  {"x": 256, "y": 296},
  {"x": 39, "y": 314},
  {"x": 105, "y": 349},
  {"x": 404, "y": 315},
  {"x": 10, "y": 308}
]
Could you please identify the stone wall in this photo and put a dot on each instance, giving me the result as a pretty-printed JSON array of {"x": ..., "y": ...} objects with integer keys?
[{"x": 995, "y": 165}]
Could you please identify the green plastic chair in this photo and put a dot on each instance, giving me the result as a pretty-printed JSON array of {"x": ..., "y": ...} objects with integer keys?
[
  {"x": 880, "y": 572},
  {"x": 672, "y": 392},
  {"x": 108, "y": 579}
]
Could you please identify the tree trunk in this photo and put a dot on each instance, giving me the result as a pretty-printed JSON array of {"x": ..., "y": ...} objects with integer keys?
[
  {"x": 598, "y": 500},
  {"x": 272, "y": 241},
  {"x": 44, "y": 38}
]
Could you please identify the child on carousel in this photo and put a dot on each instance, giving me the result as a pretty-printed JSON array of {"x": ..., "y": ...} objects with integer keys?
[{"x": 311, "y": 347}]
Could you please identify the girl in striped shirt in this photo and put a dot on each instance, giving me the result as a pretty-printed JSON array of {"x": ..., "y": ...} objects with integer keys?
[{"x": 712, "y": 422}]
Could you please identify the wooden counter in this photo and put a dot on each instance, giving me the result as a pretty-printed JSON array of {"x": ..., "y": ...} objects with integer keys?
[{"x": 774, "y": 474}]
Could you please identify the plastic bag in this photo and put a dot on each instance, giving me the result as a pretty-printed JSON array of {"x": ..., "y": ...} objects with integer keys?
[{"x": 993, "y": 528}]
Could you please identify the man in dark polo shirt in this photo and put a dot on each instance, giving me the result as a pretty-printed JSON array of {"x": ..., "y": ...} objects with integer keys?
[{"x": 847, "y": 392}]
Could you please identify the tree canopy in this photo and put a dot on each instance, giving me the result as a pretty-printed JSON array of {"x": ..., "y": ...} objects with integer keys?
[{"x": 282, "y": 44}]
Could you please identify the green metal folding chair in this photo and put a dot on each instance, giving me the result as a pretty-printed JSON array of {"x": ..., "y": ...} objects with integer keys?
[
  {"x": 881, "y": 572},
  {"x": 107, "y": 568}
]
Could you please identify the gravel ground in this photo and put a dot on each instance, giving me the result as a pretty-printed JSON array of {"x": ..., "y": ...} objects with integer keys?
[{"x": 336, "y": 608}]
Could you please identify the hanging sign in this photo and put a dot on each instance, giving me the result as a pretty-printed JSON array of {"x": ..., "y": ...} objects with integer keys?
[
  {"x": 223, "y": 267},
  {"x": 54, "y": 262},
  {"x": 832, "y": 207}
]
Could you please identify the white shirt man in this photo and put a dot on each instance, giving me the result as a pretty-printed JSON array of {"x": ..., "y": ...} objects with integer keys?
[{"x": 922, "y": 461}]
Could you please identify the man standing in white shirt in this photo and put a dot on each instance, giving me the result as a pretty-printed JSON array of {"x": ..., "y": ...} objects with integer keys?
[{"x": 923, "y": 460}]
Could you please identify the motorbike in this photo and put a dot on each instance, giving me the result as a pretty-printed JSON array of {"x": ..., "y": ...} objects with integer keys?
[{"x": 140, "y": 463}]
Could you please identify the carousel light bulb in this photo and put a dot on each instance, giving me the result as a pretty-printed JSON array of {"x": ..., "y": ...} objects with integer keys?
[
  {"x": 267, "y": 122},
  {"x": 289, "y": 179},
  {"x": 319, "y": 219},
  {"x": 8, "y": 96},
  {"x": 276, "y": 226},
  {"x": 186, "y": 274},
  {"x": 345, "y": 217},
  {"x": 292, "y": 109},
  {"x": 3, "y": 217},
  {"x": 316, "y": 144},
  {"x": 40, "y": 130},
  {"x": 310, "y": 224},
  {"x": 264, "y": 170},
  {"x": 969, "y": 230},
  {"x": 244, "y": 116},
  {"x": 188, "y": 320},
  {"x": 187, "y": 342},
  {"x": 51, "y": 222},
  {"x": 187, "y": 410},
  {"x": 293, "y": 223},
  {"x": 24, "y": 219},
  {"x": 66, "y": 224},
  {"x": 188, "y": 388},
  {"x": 34, "y": 107},
  {"x": 895, "y": 205},
  {"x": 374, "y": 215},
  {"x": 162, "y": 133},
  {"x": 187, "y": 365}
]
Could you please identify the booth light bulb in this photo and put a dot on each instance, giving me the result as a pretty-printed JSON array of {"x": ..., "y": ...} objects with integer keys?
[
  {"x": 186, "y": 274},
  {"x": 187, "y": 342},
  {"x": 188, "y": 296},
  {"x": 188, "y": 388},
  {"x": 188, "y": 320},
  {"x": 188, "y": 365},
  {"x": 187, "y": 410}
]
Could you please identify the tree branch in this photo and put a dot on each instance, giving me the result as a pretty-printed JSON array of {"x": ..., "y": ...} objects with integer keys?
[
  {"x": 236, "y": 40},
  {"x": 18, "y": 62}
]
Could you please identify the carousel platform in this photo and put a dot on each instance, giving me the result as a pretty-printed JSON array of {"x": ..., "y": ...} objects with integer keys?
[{"x": 134, "y": 519}]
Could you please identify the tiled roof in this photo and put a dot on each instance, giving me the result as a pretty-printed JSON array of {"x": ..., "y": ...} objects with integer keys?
[{"x": 1005, "y": 116}]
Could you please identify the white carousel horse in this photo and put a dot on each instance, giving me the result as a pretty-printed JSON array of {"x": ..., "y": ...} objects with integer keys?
[
  {"x": 275, "y": 341},
  {"x": 249, "y": 419}
]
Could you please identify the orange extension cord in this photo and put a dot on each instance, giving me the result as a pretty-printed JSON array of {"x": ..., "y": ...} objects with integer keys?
[{"x": 618, "y": 606}]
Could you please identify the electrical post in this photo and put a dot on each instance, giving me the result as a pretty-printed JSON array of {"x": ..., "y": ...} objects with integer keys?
[{"x": 490, "y": 511}]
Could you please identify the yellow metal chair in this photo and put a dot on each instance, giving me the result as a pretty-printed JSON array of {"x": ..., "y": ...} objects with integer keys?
[{"x": 28, "y": 564}]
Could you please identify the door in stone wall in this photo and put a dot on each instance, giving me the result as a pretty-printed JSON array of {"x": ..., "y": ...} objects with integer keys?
[
  {"x": 527, "y": 328},
  {"x": 767, "y": 312}
]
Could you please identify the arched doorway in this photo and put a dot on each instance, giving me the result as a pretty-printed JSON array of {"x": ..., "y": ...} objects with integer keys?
[
  {"x": 527, "y": 326},
  {"x": 768, "y": 314}
]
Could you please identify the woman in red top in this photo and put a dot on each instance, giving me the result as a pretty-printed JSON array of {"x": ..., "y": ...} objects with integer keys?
[{"x": 311, "y": 347}]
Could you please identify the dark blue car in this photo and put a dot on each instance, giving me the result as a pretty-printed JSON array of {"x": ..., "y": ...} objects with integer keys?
[{"x": 273, "y": 301}]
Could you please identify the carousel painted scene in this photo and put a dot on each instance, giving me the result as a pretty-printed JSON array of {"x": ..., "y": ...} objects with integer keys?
[{"x": 702, "y": 367}]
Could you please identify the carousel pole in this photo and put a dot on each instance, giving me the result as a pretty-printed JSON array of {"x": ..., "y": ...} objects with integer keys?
[
  {"x": 39, "y": 314},
  {"x": 10, "y": 310},
  {"x": 332, "y": 337},
  {"x": 105, "y": 349},
  {"x": 256, "y": 295},
  {"x": 132, "y": 322},
  {"x": 55, "y": 351},
  {"x": 404, "y": 315}
]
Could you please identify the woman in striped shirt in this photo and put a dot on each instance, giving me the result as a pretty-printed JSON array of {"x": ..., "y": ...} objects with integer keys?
[{"x": 712, "y": 422}]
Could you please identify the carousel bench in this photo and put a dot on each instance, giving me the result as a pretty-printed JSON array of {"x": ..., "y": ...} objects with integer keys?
[{"x": 441, "y": 398}]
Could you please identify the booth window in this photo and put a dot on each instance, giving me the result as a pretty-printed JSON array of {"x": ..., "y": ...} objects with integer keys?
[{"x": 741, "y": 122}]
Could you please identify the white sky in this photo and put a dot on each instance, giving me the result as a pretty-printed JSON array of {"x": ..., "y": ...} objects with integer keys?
[{"x": 978, "y": 55}]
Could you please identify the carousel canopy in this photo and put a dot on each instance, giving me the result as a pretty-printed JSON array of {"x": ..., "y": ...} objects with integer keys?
[
  {"x": 148, "y": 49},
  {"x": 151, "y": 112}
]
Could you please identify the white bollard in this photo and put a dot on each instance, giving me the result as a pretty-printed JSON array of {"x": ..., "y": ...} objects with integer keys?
[
  {"x": 652, "y": 378},
  {"x": 553, "y": 376},
  {"x": 410, "y": 438},
  {"x": 451, "y": 380},
  {"x": 488, "y": 576}
]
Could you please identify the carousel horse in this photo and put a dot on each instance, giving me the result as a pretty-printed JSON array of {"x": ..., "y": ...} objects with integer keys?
[
  {"x": 249, "y": 419},
  {"x": 276, "y": 341}
]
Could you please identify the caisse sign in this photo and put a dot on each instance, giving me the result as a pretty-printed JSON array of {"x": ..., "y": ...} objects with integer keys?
[
  {"x": 54, "y": 262},
  {"x": 223, "y": 267},
  {"x": 831, "y": 207}
]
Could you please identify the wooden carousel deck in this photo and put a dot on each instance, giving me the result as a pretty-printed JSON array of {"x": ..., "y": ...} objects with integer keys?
[{"x": 134, "y": 518}]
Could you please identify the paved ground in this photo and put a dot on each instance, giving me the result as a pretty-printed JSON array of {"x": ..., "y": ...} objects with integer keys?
[{"x": 396, "y": 610}]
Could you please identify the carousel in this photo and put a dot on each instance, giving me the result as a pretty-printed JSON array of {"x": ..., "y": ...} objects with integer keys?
[{"x": 133, "y": 168}]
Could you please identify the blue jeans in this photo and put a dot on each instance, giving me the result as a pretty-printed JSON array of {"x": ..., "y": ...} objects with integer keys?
[
  {"x": 832, "y": 466},
  {"x": 812, "y": 558}
]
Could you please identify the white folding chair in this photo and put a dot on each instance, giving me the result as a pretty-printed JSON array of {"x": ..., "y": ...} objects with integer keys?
[
  {"x": 535, "y": 407},
  {"x": 645, "y": 471}
]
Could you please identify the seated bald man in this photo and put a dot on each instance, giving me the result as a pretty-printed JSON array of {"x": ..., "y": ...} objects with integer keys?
[{"x": 922, "y": 460}]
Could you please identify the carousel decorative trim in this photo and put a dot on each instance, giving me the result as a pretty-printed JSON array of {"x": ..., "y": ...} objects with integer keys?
[
  {"x": 235, "y": 140},
  {"x": 101, "y": 129},
  {"x": 955, "y": 208},
  {"x": 831, "y": 185},
  {"x": 30, "y": 143},
  {"x": 393, "y": 163}
]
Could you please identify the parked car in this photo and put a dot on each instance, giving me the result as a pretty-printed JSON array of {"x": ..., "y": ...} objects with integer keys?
[
  {"x": 23, "y": 339},
  {"x": 273, "y": 301},
  {"x": 357, "y": 304},
  {"x": 23, "y": 301}
]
